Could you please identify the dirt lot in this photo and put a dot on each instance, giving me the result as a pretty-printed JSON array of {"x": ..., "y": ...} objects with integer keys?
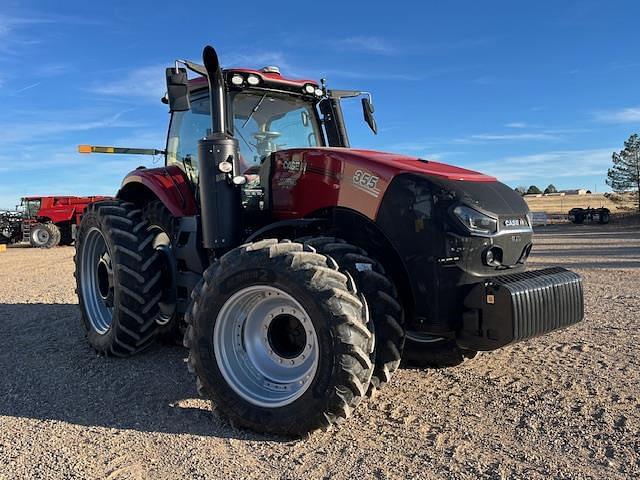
[{"x": 564, "y": 406}]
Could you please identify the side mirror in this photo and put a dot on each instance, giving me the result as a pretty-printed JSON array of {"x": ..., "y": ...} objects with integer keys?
[
  {"x": 177, "y": 89},
  {"x": 367, "y": 109}
]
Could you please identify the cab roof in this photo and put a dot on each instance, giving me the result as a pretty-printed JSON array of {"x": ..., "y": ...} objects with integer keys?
[{"x": 265, "y": 77}]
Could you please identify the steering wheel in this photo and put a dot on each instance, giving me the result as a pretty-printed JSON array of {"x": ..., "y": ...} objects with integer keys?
[{"x": 265, "y": 142}]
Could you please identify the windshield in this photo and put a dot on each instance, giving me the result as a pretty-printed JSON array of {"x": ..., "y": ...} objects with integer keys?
[
  {"x": 31, "y": 207},
  {"x": 266, "y": 122},
  {"x": 263, "y": 123}
]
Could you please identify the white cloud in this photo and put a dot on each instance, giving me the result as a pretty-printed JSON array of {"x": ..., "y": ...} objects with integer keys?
[
  {"x": 516, "y": 125},
  {"x": 549, "y": 165},
  {"x": 28, "y": 87},
  {"x": 16, "y": 132},
  {"x": 507, "y": 137},
  {"x": 369, "y": 75},
  {"x": 625, "y": 115},
  {"x": 12, "y": 42},
  {"x": 410, "y": 147},
  {"x": 367, "y": 44},
  {"x": 257, "y": 60},
  {"x": 145, "y": 82}
]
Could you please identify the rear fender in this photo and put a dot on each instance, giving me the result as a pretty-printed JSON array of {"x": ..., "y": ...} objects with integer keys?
[{"x": 167, "y": 184}]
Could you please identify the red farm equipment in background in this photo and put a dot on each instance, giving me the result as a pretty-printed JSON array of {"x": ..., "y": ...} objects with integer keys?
[{"x": 52, "y": 220}]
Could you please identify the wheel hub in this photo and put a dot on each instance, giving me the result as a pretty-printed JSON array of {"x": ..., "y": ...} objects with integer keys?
[
  {"x": 41, "y": 235},
  {"x": 266, "y": 346},
  {"x": 104, "y": 279},
  {"x": 286, "y": 336}
]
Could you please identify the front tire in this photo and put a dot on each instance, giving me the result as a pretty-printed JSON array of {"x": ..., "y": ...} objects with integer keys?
[
  {"x": 118, "y": 278},
  {"x": 382, "y": 299},
  {"x": 278, "y": 339},
  {"x": 44, "y": 235}
]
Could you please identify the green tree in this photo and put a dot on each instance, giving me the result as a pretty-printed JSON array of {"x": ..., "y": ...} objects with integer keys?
[
  {"x": 533, "y": 190},
  {"x": 551, "y": 189},
  {"x": 625, "y": 173},
  {"x": 520, "y": 190}
]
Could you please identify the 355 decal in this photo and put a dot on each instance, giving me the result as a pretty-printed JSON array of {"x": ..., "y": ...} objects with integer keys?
[{"x": 367, "y": 182}]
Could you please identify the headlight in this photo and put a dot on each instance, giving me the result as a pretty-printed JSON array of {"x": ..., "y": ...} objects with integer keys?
[
  {"x": 253, "y": 80},
  {"x": 237, "y": 80},
  {"x": 475, "y": 221},
  {"x": 308, "y": 88}
]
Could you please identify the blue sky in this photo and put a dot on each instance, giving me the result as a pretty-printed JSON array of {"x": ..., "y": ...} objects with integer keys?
[{"x": 534, "y": 93}]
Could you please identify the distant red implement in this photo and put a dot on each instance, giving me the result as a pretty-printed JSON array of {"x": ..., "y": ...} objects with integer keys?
[{"x": 49, "y": 221}]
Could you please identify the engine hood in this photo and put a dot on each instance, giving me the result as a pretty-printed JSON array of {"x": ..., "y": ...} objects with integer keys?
[{"x": 407, "y": 164}]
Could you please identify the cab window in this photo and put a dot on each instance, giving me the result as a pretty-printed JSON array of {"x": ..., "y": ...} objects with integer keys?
[
  {"x": 186, "y": 129},
  {"x": 266, "y": 123},
  {"x": 263, "y": 124}
]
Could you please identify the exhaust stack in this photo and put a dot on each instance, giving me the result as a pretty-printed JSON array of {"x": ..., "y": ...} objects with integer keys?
[{"x": 220, "y": 207}]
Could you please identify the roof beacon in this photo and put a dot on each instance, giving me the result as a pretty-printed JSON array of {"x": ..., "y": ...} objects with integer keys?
[{"x": 271, "y": 69}]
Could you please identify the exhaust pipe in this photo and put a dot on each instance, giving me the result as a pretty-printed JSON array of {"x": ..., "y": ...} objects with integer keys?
[
  {"x": 216, "y": 90},
  {"x": 220, "y": 207}
]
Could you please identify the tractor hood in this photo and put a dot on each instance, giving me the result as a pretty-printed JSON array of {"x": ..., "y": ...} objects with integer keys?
[{"x": 406, "y": 164}]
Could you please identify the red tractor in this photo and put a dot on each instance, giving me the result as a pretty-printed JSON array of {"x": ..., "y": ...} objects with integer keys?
[
  {"x": 300, "y": 268},
  {"x": 52, "y": 220}
]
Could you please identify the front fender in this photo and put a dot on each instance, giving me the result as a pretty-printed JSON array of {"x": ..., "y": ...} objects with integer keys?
[{"x": 167, "y": 184}]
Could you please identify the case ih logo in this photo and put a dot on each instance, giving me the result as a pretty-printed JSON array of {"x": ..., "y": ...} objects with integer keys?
[
  {"x": 292, "y": 165},
  {"x": 515, "y": 222}
]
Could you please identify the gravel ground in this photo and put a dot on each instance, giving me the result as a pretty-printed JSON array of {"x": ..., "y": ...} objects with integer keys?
[{"x": 564, "y": 406}]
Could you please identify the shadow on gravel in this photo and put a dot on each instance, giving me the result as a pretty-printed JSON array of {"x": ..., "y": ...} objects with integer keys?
[
  {"x": 584, "y": 265},
  {"x": 48, "y": 372}
]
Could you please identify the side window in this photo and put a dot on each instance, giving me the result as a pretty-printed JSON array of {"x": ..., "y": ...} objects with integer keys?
[
  {"x": 186, "y": 129},
  {"x": 295, "y": 128}
]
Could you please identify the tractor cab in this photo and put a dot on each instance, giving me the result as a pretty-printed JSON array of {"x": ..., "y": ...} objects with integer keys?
[
  {"x": 265, "y": 120},
  {"x": 268, "y": 113},
  {"x": 30, "y": 206}
]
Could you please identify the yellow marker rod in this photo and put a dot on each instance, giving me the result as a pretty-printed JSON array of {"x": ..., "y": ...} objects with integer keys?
[{"x": 119, "y": 150}]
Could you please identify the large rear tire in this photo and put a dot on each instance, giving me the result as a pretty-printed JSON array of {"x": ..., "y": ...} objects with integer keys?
[
  {"x": 163, "y": 226},
  {"x": 382, "y": 299},
  {"x": 278, "y": 339},
  {"x": 118, "y": 278}
]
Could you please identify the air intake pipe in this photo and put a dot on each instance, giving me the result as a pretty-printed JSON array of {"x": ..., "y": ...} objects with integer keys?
[{"x": 220, "y": 206}]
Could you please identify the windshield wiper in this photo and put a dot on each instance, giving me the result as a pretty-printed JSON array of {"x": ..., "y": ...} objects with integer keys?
[{"x": 255, "y": 109}]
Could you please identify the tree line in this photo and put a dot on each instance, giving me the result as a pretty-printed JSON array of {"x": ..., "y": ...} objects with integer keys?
[{"x": 534, "y": 190}]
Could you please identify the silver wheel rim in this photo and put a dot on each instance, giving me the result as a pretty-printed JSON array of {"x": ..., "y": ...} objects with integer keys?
[
  {"x": 97, "y": 281},
  {"x": 41, "y": 236},
  {"x": 420, "y": 337},
  {"x": 266, "y": 346}
]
